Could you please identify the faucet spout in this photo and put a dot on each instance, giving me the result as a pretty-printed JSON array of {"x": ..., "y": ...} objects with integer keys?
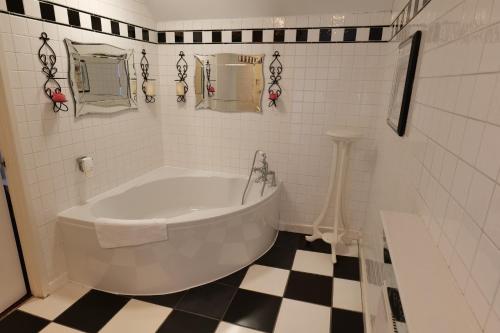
[{"x": 264, "y": 172}]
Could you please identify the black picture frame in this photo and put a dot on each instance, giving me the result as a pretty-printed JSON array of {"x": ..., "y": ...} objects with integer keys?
[{"x": 399, "y": 106}]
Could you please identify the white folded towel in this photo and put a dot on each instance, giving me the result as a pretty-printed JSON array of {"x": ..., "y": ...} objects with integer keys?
[{"x": 113, "y": 233}]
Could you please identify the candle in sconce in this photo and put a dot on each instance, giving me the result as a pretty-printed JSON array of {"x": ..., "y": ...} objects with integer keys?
[
  {"x": 150, "y": 88},
  {"x": 133, "y": 86},
  {"x": 179, "y": 89}
]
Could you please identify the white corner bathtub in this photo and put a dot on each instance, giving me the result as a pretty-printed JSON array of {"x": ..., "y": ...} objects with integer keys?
[{"x": 210, "y": 234}]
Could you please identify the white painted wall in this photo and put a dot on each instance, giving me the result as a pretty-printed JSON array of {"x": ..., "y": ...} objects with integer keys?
[{"x": 166, "y": 10}]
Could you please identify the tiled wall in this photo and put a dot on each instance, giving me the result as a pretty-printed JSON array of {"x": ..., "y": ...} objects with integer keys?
[
  {"x": 124, "y": 145},
  {"x": 447, "y": 168},
  {"x": 324, "y": 85},
  {"x": 333, "y": 81}
]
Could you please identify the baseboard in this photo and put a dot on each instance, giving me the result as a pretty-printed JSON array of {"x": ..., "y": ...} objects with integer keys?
[
  {"x": 364, "y": 287},
  {"x": 301, "y": 228},
  {"x": 58, "y": 282}
]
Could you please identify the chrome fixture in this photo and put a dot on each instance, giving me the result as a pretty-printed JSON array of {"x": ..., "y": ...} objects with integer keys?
[
  {"x": 264, "y": 172},
  {"x": 86, "y": 165}
]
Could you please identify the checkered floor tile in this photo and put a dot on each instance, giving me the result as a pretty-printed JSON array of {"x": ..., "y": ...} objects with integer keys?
[{"x": 292, "y": 288}]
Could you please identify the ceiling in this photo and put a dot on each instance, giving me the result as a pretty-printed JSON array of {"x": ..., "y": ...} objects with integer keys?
[{"x": 169, "y": 10}]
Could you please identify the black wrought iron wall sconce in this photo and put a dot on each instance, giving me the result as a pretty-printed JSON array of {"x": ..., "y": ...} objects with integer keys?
[
  {"x": 148, "y": 86},
  {"x": 274, "y": 90},
  {"x": 181, "y": 88},
  {"x": 51, "y": 87},
  {"x": 210, "y": 87}
]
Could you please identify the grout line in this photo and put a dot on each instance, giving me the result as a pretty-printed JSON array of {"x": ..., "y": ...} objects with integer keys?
[
  {"x": 481, "y": 227},
  {"x": 446, "y": 149}
]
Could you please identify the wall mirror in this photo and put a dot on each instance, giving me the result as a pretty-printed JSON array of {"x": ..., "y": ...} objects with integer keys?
[
  {"x": 229, "y": 82},
  {"x": 102, "y": 78}
]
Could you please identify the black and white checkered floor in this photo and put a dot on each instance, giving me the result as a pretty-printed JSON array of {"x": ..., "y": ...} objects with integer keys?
[{"x": 293, "y": 288}]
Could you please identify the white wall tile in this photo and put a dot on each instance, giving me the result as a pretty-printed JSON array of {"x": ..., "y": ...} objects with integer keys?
[
  {"x": 268, "y": 36},
  {"x": 486, "y": 268},
  {"x": 207, "y": 36},
  {"x": 464, "y": 98},
  {"x": 313, "y": 35},
  {"x": 468, "y": 240},
  {"x": 459, "y": 271},
  {"x": 488, "y": 159},
  {"x": 453, "y": 139},
  {"x": 106, "y": 25},
  {"x": 61, "y": 14},
  {"x": 85, "y": 21},
  {"x": 457, "y": 132},
  {"x": 494, "y": 107},
  {"x": 496, "y": 304},
  {"x": 480, "y": 193},
  {"x": 290, "y": 35},
  {"x": 124, "y": 145},
  {"x": 492, "y": 226},
  {"x": 18, "y": 25},
  {"x": 362, "y": 34},
  {"x": 462, "y": 181},
  {"x": 481, "y": 97},
  {"x": 472, "y": 140},
  {"x": 477, "y": 302},
  {"x": 493, "y": 323}
]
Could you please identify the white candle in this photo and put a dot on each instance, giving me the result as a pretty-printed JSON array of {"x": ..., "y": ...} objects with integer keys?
[
  {"x": 150, "y": 88},
  {"x": 133, "y": 86},
  {"x": 179, "y": 88}
]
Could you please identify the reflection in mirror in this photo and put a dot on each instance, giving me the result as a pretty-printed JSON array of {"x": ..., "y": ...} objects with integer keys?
[
  {"x": 102, "y": 78},
  {"x": 229, "y": 82}
]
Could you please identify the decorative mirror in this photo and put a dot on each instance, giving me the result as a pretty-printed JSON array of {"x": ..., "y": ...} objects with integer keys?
[
  {"x": 102, "y": 78},
  {"x": 229, "y": 82}
]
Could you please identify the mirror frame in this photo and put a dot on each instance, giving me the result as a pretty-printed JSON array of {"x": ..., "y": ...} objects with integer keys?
[{"x": 111, "y": 51}]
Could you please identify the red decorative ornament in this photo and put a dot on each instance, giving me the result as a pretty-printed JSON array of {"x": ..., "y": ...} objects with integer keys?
[
  {"x": 273, "y": 95},
  {"x": 211, "y": 89},
  {"x": 58, "y": 97}
]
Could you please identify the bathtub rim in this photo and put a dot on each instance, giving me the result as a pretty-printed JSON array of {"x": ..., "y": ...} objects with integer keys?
[{"x": 82, "y": 215}]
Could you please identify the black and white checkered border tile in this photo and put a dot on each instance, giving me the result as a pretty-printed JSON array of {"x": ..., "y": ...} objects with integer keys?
[
  {"x": 408, "y": 13},
  {"x": 276, "y": 35},
  {"x": 293, "y": 287},
  {"x": 68, "y": 16},
  {"x": 72, "y": 17}
]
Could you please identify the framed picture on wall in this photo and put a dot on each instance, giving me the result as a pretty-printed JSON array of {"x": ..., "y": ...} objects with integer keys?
[{"x": 402, "y": 85}]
